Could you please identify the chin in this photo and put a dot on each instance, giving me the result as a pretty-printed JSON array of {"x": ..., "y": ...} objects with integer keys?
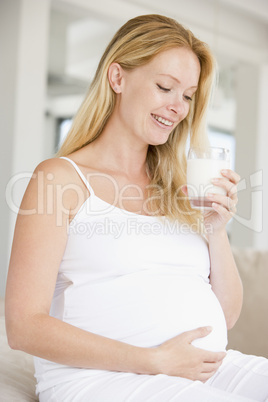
[{"x": 158, "y": 141}]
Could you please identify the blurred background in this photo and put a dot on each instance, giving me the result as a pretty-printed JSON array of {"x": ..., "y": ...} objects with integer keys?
[{"x": 49, "y": 50}]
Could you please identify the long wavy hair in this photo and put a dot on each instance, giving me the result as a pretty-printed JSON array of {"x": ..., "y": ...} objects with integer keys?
[{"x": 135, "y": 44}]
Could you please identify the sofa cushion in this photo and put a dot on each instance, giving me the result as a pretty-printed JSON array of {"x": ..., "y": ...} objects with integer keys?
[
  {"x": 17, "y": 381},
  {"x": 250, "y": 333}
]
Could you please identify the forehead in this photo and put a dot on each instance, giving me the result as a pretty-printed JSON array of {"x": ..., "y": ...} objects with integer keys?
[{"x": 175, "y": 62}]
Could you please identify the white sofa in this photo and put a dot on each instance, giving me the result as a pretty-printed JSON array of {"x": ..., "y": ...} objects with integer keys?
[
  {"x": 250, "y": 334},
  {"x": 17, "y": 382}
]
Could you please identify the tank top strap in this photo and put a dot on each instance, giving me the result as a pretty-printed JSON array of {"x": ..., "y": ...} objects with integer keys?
[{"x": 85, "y": 181}]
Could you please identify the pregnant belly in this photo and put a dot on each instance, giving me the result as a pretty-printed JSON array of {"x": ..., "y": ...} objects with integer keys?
[
  {"x": 190, "y": 304},
  {"x": 147, "y": 310}
]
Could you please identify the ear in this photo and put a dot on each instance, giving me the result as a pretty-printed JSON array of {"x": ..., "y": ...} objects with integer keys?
[
  {"x": 115, "y": 74},
  {"x": 184, "y": 189}
]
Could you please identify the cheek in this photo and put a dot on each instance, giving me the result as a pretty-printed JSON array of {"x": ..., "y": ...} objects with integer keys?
[
  {"x": 185, "y": 111},
  {"x": 138, "y": 100}
]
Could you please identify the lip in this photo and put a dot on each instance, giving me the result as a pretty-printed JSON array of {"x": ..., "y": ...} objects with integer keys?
[{"x": 162, "y": 125}]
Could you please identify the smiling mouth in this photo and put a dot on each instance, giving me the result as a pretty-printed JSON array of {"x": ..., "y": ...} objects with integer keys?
[{"x": 163, "y": 121}]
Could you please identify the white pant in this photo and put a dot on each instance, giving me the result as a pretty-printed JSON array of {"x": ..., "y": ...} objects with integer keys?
[{"x": 240, "y": 378}]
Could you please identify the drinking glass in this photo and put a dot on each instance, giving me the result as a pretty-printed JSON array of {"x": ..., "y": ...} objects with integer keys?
[{"x": 202, "y": 166}]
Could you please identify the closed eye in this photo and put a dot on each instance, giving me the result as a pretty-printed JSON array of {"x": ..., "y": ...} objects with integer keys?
[
  {"x": 163, "y": 89},
  {"x": 188, "y": 98}
]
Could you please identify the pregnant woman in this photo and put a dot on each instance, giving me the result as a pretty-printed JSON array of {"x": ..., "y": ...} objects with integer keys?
[{"x": 119, "y": 288}]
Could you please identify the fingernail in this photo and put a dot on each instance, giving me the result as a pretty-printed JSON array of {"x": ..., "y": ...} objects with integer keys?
[
  {"x": 210, "y": 195},
  {"x": 209, "y": 328},
  {"x": 215, "y": 180},
  {"x": 224, "y": 171}
]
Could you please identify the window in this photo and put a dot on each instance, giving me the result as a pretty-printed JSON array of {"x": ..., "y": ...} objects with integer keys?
[
  {"x": 64, "y": 126},
  {"x": 224, "y": 140}
]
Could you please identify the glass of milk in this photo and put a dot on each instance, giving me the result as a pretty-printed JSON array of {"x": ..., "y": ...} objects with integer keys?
[{"x": 202, "y": 166}]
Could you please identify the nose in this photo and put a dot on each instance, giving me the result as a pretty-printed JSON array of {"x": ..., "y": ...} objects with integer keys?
[{"x": 179, "y": 106}]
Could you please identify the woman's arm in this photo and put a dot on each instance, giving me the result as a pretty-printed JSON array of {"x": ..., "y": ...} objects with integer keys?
[
  {"x": 224, "y": 276},
  {"x": 39, "y": 242}
]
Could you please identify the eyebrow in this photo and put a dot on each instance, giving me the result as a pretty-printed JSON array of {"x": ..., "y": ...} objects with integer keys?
[{"x": 176, "y": 79}]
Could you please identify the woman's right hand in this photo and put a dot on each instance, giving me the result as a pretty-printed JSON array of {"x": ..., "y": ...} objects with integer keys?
[{"x": 178, "y": 357}]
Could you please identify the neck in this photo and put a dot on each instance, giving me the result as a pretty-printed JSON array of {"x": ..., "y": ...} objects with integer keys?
[{"x": 120, "y": 151}]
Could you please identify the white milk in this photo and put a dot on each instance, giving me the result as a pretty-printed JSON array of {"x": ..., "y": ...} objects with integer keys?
[{"x": 199, "y": 175}]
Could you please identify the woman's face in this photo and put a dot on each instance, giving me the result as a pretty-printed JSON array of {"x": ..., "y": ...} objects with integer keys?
[{"x": 156, "y": 97}]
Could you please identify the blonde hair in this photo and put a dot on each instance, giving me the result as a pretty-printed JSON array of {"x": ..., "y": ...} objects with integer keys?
[{"x": 135, "y": 44}]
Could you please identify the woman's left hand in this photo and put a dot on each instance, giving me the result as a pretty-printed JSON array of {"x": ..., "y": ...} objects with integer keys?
[{"x": 224, "y": 206}]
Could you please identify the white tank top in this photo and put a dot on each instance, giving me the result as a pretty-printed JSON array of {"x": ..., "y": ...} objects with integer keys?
[{"x": 134, "y": 278}]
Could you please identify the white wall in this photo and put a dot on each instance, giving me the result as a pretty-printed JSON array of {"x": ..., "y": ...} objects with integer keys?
[
  {"x": 246, "y": 140},
  {"x": 261, "y": 238},
  {"x": 9, "y": 31},
  {"x": 23, "y": 48}
]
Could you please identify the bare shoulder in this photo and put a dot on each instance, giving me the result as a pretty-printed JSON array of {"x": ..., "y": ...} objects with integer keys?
[
  {"x": 55, "y": 182},
  {"x": 55, "y": 170}
]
